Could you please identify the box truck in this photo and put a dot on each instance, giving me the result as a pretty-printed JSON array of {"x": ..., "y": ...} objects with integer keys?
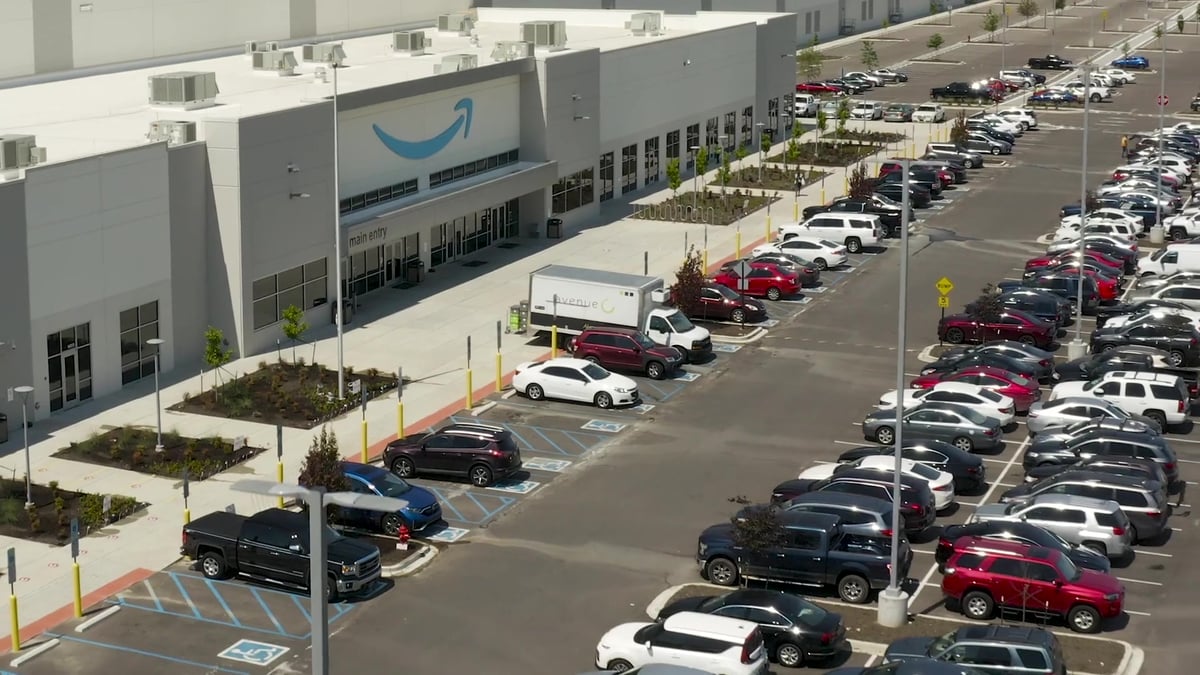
[{"x": 573, "y": 298}]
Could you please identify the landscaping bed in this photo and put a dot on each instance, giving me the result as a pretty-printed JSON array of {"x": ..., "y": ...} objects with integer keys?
[
  {"x": 710, "y": 206},
  {"x": 50, "y": 520},
  {"x": 831, "y": 153},
  {"x": 132, "y": 449},
  {"x": 290, "y": 394},
  {"x": 876, "y": 137},
  {"x": 773, "y": 178},
  {"x": 1082, "y": 654}
]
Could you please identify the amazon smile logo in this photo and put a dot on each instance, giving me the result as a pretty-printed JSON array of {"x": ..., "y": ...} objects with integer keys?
[{"x": 430, "y": 146}]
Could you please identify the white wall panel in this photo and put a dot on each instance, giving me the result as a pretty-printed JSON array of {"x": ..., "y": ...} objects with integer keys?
[
  {"x": 16, "y": 34},
  {"x": 337, "y": 16}
]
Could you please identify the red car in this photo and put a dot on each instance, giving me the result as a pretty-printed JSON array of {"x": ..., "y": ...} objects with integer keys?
[
  {"x": 766, "y": 280},
  {"x": 1011, "y": 324},
  {"x": 1023, "y": 391},
  {"x": 1167, "y": 179},
  {"x": 984, "y": 575},
  {"x": 817, "y": 88},
  {"x": 1042, "y": 262},
  {"x": 1108, "y": 287}
]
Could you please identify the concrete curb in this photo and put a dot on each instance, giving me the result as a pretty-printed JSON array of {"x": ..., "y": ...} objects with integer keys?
[
  {"x": 412, "y": 564},
  {"x": 754, "y": 336}
]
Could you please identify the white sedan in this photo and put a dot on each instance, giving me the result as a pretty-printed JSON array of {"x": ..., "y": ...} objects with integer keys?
[
  {"x": 940, "y": 482},
  {"x": 1125, "y": 231},
  {"x": 823, "y": 253},
  {"x": 1022, "y": 116},
  {"x": 1153, "y": 316},
  {"x": 1106, "y": 215},
  {"x": 1123, "y": 76},
  {"x": 984, "y": 401},
  {"x": 574, "y": 380}
]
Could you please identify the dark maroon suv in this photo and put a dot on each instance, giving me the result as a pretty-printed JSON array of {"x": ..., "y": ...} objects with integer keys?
[
  {"x": 481, "y": 453},
  {"x": 626, "y": 349}
]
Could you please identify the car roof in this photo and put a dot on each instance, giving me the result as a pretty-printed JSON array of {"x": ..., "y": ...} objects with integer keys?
[
  {"x": 961, "y": 387},
  {"x": 709, "y": 625},
  {"x": 1077, "y": 400},
  {"x": 1075, "y": 501},
  {"x": 844, "y": 499},
  {"x": 476, "y": 429},
  {"x": 614, "y": 330},
  {"x": 566, "y": 361},
  {"x": 1004, "y": 633},
  {"x": 877, "y": 476},
  {"x": 366, "y": 471},
  {"x": 1003, "y": 547},
  {"x": 808, "y": 519},
  {"x": 1100, "y": 478}
]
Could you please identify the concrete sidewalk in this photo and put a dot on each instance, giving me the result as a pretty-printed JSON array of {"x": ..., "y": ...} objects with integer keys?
[{"x": 422, "y": 330}]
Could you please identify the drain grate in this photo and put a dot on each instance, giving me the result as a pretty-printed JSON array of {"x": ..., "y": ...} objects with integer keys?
[
  {"x": 403, "y": 285},
  {"x": 507, "y": 244},
  {"x": 475, "y": 263}
]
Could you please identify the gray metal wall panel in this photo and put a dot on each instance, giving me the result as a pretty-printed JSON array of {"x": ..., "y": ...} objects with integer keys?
[
  {"x": 191, "y": 192},
  {"x": 304, "y": 18},
  {"x": 433, "y": 83},
  {"x": 16, "y": 364},
  {"x": 52, "y": 36}
]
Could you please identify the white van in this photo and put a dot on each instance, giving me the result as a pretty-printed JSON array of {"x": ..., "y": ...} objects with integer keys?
[
  {"x": 867, "y": 110},
  {"x": 854, "y": 230},
  {"x": 805, "y": 105},
  {"x": 1182, "y": 257}
]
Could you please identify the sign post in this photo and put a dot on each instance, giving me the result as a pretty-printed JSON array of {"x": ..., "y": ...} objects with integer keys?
[
  {"x": 943, "y": 286},
  {"x": 499, "y": 361},
  {"x": 399, "y": 403},
  {"x": 187, "y": 492},
  {"x": 279, "y": 456},
  {"x": 470, "y": 399},
  {"x": 75, "y": 568},
  {"x": 12, "y": 600},
  {"x": 741, "y": 270}
]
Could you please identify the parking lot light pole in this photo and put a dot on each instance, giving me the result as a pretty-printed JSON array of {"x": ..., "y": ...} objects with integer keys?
[
  {"x": 695, "y": 174},
  {"x": 317, "y": 499},
  {"x": 762, "y": 127},
  {"x": 157, "y": 343},
  {"x": 1076, "y": 348},
  {"x": 893, "y": 600},
  {"x": 337, "y": 244},
  {"x": 1158, "y": 232},
  {"x": 25, "y": 390}
]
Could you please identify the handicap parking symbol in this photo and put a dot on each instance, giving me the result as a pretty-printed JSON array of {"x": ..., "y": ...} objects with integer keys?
[
  {"x": 687, "y": 377},
  {"x": 546, "y": 464},
  {"x": 642, "y": 408},
  {"x": 449, "y": 535},
  {"x": 765, "y": 323},
  {"x": 253, "y": 652},
  {"x": 726, "y": 348},
  {"x": 602, "y": 425},
  {"x": 523, "y": 487}
]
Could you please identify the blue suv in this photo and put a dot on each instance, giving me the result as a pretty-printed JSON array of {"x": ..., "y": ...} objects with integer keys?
[
  {"x": 422, "y": 511},
  {"x": 1132, "y": 62}
]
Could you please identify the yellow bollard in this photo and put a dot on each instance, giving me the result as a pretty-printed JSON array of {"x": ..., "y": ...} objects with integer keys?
[
  {"x": 78, "y": 591},
  {"x": 187, "y": 516},
  {"x": 365, "y": 458},
  {"x": 279, "y": 475},
  {"x": 795, "y": 210},
  {"x": 16, "y": 623},
  {"x": 704, "y": 260},
  {"x": 737, "y": 242},
  {"x": 553, "y": 342},
  {"x": 470, "y": 394},
  {"x": 822, "y": 194},
  {"x": 846, "y": 184},
  {"x": 768, "y": 227},
  {"x": 499, "y": 373},
  {"x": 399, "y": 420}
]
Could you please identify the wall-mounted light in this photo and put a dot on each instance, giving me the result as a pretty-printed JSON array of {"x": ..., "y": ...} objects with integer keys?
[
  {"x": 292, "y": 168},
  {"x": 576, "y": 97},
  {"x": 687, "y": 62},
  {"x": 299, "y": 195},
  {"x": 581, "y": 117}
]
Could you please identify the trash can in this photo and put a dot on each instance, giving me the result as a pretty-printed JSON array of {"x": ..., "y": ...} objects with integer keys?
[
  {"x": 348, "y": 304},
  {"x": 415, "y": 273},
  {"x": 554, "y": 228},
  {"x": 3, "y": 428}
]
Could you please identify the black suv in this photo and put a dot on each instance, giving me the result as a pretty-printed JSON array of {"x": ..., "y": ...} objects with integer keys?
[
  {"x": 480, "y": 452},
  {"x": 1063, "y": 284},
  {"x": 1176, "y": 335},
  {"x": 916, "y": 498},
  {"x": 890, "y": 213},
  {"x": 922, "y": 176},
  {"x": 1042, "y": 304},
  {"x": 1059, "y": 450},
  {"x": 918, "y": 197},
  {"x": 1022, "y": 533}
]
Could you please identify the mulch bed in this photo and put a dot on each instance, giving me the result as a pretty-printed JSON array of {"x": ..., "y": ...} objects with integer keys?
[
  {"x": 50, "y": 522},
  {"x": 389, "y": 554},
  {"x": 827, "y": 153},
  {"x": 289, "y": 394},
  {"x": 884, "y": 137},
  {"x": 711, "y": 207},
  {"x": 773, "y": 178},
  {"x": 132, "y": 449},
  {"x": 1082, "y": 654}
]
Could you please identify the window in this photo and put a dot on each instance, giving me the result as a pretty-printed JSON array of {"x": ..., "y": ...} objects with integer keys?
[
  {"x": 730, "y": 130},
  {"x": 628, "y": 168},
  {"x": 651, "y": 160},
  {"x": 1131, "y": 498},
  {"x": 805, "y": 540},
  {"x": 808, "y": 22},
  {"x": 1040, "y": 572},
  {"x": 969, "y": 561},
  {"x": 138, "y": 325},
  {"x": 606, "y": 176},
  {"x": 693, "y": 139},
  {"x": 472, "y": 168},
  {"x": 773, "y": 115},
  {"x": 379, "y": 196},
  {"x": 673, "y": 144},
  {"x": 303, "y": 286},
  {"x": 1006, "y": 566},
  {"x": 1032, "y": 659},
  {"x": 863, "y": 10},
  {"x": 573, "y": 191},
  {"x": 712, "y": 133},
  {"x": 1135, "y": 389},
  {"x": 69, "y": 366},
  {"x": 267, "y": 535},
  {"x": 817, "y": 21}
]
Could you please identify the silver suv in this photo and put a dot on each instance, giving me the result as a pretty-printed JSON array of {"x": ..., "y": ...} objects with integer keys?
[
  {"x": 1143, "y": 500},
  {"x": 1100, "y": 525}
]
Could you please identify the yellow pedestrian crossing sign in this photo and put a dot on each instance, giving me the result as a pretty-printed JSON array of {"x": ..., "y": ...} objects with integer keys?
[
  {"x": 943, "y": 302},
  {"x": 944, "y": 286}
]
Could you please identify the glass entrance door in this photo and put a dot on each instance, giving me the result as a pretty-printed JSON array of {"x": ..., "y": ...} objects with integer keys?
[
  {"x": 70, "y": 379},
  {"x": 69, "y": 367}
]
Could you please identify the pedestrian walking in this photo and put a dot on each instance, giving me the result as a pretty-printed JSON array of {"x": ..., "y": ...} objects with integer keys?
[
  {"x": 1124, "y": 147},
  {"x": 799, "y": 181}
]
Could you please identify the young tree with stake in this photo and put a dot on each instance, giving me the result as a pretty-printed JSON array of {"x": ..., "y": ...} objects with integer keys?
[
  {"x": 935, "y": 43},
  {"x": 689, "y": 281},
  {"x": 869, "y": 57},
  {"x": 674, "y": 177},
  {"x": 294, "y": 326},
  {"x": 991, "y": 22}
]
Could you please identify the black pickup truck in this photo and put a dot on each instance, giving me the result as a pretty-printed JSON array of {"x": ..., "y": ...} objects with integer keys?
[
  {"x": 890, "y": 214},
  {"x": 273, "y": 546},
  {"x": 960, "y": 90},
  {"x": 815, "y": 552},
  {"x": 1050, "y": 62}
]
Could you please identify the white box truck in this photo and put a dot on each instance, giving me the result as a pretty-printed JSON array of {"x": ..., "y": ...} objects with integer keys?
[
  {"x": 573, "y": 298},
  {"x": 1176, "y": 257}
]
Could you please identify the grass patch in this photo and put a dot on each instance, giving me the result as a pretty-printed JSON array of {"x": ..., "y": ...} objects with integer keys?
[
  {"x": 132, "y": 449},
  {"x": 49, "y": 521}
]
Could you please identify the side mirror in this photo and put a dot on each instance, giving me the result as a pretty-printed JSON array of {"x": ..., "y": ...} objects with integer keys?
[
  {"x": 296, "y": 548},
  {"x": 1058, "y": 583}
]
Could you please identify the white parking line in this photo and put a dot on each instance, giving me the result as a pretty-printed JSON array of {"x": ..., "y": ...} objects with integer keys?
[
  {"x": 871, "y": 660},
  {"x": 1009, "y": 485},
  {"x": 1139, "y": 581},
  {"x": 1130, "y": 611},
  {"x": 993, "y": 460},
  {"x": 1142, "y": 551},
  {"x": 921, "y": 550},
  {"x": 974, "y": 504}
]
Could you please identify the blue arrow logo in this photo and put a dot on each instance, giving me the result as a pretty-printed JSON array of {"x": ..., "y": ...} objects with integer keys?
[{"x": 430, "y": 146}]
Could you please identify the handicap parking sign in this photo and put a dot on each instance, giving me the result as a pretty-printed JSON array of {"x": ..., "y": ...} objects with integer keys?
[{"x": 253, "y": 652}]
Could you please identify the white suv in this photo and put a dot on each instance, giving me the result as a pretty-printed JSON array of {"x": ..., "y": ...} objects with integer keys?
[
  {"x": 854, "y": 230},
  {"x": 715, "y": 644},
  {"x": 1026, "y": 118},
  {"x": 1159, "y": 396}
]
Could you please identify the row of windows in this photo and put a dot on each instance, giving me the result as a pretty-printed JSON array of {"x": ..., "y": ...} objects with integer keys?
[
  {"x": 383, "y": 194},
  {"x": 606, "y": 176},
  {"x": 573, "y": 191},
  {"x": 138, "y": 324},
  {"x": 472, "y": 168},
  {"x": 673, "y": 144},
  {"x": 651, "y": 163},
  {"x": 629, "y": 168},
  {"x": 303, "y": 286},
  {"x": 812, "y": 22}
]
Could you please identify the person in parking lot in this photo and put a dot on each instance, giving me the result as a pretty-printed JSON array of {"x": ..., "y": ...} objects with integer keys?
[{"x": 1124, "y": 147}]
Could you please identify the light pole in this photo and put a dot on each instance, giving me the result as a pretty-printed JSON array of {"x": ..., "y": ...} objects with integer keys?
[
  {"x": 696, "y": 174},
  {"x": 337, "y": 242},
  {"x": 1076, "y": 348},
  {"x": 762, "y": 127},
  {"x": 1157, "y": 233},
  {"x": 893, "y": 600},
  {"x": 317, "y": 499},
  {"x": 156, "y": 343},
  {"x": 25, "y": 390}
]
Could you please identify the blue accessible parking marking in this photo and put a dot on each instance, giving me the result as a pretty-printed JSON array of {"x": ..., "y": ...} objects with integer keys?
[
  {"x": 766, "y": 323},
  {"x": 687, "y": 377},
  {"x": 643, "y": 408},
  {"x": 816, "y": 289},
  {"x": 522, "y": 487},
  {"x": 726, "y": 348},
  {"x": 797, "y": 301},
  {"x": 541, "y": 464},
  {"x": 602, "y": 425},
  {"x": 253, "y": 652},
  {"x": 469, "y": 506},
  {"x": 449, "y": 535}
]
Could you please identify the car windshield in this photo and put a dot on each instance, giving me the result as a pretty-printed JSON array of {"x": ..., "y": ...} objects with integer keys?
[
  {"x": 989, "y": 395},
  {"x": 643, "y": 341},
  {"x": 392, "y": 486},
  {"x": 926, "y": 472},
  {"x": 679, "y": 322},
  {"x": 941, "y": 643},
  {"x": 595, "y": 372},
  {"x": 974, "y": 416},
  {"x": 886, "y": 200},
  {"x": 725, "y": 291},
  {"x": 1159, "y": 253},
  {"x": 1067, "y": 568}
]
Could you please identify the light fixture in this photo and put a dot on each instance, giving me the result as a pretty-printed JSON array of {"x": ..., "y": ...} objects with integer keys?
[
  {"x": 576, "y": 97},
  {"x": 292, "y": 168},
  {"x": 299, "y": 195},
  {"x": 687, "y": 62},
  {"x": 581, "y": 117}
]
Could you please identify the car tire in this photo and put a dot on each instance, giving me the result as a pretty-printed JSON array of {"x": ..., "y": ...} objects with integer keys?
[
  {"x": 822, "y": 264},
  {"x": 854, "y": 589},
  {"x": 737, "y": 316},
  {"x": 1108, "y": 348},
  {"x": 655, "y": 370},
  {"x": 789, "y": 655},
  {"x": 995, "y": 150},
  {"x": 721, "y": 571},
  {"x": 331, "y": 591},
  {"x": 955, "y": 336},
  {"x": 854, "y": 245},
  {"x": 390, "y": 524},
  {"x": 885, "y": 435},
  {"x": 604, "y": 400},
  {"x": 774, "y": 293},
  {"x": 1095, "y": 546},
  {"x": 1176, "y": 358},
  {"x": 1178, "y": 233},
  {"x": 403, "y": 467},
  {"x": 212, "y": 565},
  {"x": 1084, "y": 619},
  {"x": 535, "y": 392},
  {"x": 978, "y": 605},
  {"x": 1159, "y": 418},
  {"x": 481, "y": 475},
  {"x": 1133, "y": 533},
  {"x": 592, "y": 358},
  {"x": 965, "y": 444},
  {"x": 619, "y": 665},
  {"x": 1095, "y": 98},
  {"x": 1027, "y": 340}
]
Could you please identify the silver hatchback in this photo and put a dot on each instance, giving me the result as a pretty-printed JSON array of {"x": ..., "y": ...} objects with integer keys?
[{"x": 1098, "y": 524}]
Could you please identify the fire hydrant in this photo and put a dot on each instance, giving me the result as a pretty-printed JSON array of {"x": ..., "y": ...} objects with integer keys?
[{"x": 402, "y": 537}]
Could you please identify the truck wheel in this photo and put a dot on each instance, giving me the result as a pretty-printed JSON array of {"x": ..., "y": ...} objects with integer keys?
[
  {"x": 721, "y": 571},
  {"x": 331, "y": 591},
  {"x": 212, "y": 565},
  {"x": 854, "y": 245},
  {"x": 1095, "y": 98},
  {"x": 854, "y": 589},
  {"x": 1084, "y": 619},
  {"x": 1159, "y": 418},
  {"x": 656, "y": 370},
  {"x": 978, "y": 605},
  {"x": 1178, "y": 233}
]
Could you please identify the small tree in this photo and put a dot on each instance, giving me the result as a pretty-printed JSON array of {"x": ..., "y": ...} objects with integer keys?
[
  {"x": 724, "y": 174},
  {"x": 935, "y": 43},
  {"x": 869, "y": 57},
  {"x": 793, "y": 155},
  {"x": 216, "y": 352},
  {"x": 1180, "y": 23},
  {"x": 887, "y": 23},
  {"x": 988, "y": 307},
  {"x": 991, "y": 21},
  {"x": 1158, "y": 33},
  {"x": 822, "y": 127},
  {"x": 323, "y": 467},
  {"x": 1060, "y": 5},
  {"x": 843, "y": 115},
  {"x": 809, "y": 62},
  {"x": 689, "y": 281},
  {"x": 702, "y": 161},
  {"x": 673, "y": 176},
  {"x": 1125, "y": 49},
  {"x": 1028, "y": 9},
  {"x": 764, "y": 142},
  {"x": 757, "y": 529},
  {"x": 741, "y": 152},
  {"x": 959, "y": 132},
  {"x": 294, "y": 326},
  {"x": 861, "y": 185}
]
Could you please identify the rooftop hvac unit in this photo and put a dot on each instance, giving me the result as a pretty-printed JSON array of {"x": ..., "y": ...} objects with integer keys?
[
  {"x": 188, "y": 90},
  {"x": 255, "y": 46},
  {"x": 453, "y": 63},
  {"x": 545, "y": 34},
  {"x": 455, "y": 23},
  {"x": 269, "y": 47},
  {"x": 412, "y": 42},
  {"x": 510, "y": 50},
  {"x": 281, "y": 63},
  {"x": 19, "y": 151},
  {"x": 325, "y": 52},
  {"x": 174, "y": 132},
  {"x": 645, "y": 23}
]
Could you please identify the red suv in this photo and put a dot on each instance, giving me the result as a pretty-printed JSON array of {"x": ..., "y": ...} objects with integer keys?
[
  {"x": 766, "y": 280},
  {"x": 626, "y": 349},
  {"x": 983, "y": 575}
]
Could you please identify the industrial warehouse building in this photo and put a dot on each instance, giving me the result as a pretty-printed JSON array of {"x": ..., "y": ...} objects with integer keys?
[{"x": 155, "y": 199}]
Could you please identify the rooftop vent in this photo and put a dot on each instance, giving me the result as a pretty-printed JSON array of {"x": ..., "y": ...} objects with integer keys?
[
  {"x": 645, "y": 23},
  {"x": 174, "y": 132},
  {"x": 19, "y": 152},
  {"x": 281, "y": 63},
  {"x": 261, "y": 46},
  {"x": 550, "y": 35},
  {"x": 453, "y": 63},
  {"x": 187, "y": 90},
  {"x": 455, "y": 23},
  {"x": 510, "y": 50},
  {"x": 325, "y": 52},
  {"x": 411, "y": 42}
]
